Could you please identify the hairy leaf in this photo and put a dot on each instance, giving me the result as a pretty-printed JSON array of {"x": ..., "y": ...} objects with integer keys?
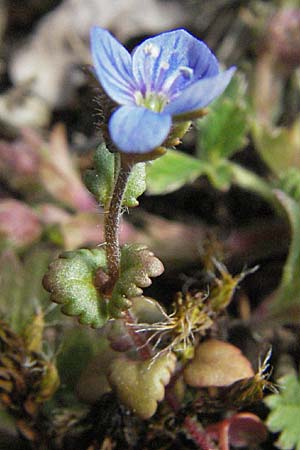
[
  {"x": 70, "y": 280},
  {"x": 285, "y": 413},
  {"x": 138, "y": 265},
  {"x": 136, "y": 185},
  {"x": 100, "y": 181}
]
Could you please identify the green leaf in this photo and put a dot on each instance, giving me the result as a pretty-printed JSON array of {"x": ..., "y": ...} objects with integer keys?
[
  {"x": 219, "y": 174},
  {"x": 223, "y": 130},
  {"x": 35, "y": 263},
  {"x": 70, "y": 280},
  {"x": 78, "y": 347},
  {"x": 172, "y": 171},
  {"x": 21, "y": 290},
  {"x": 140, "y": 385},
  {"x": 100, "y": 181},
  {"x": 285, "y": 413},
  {"x": 289, "y": 290},
  {"x": 289, "y": 183},
  {"x": 138, "y": 265},
  {"x": 279, "y": 147},
  {"x": 136, "y": 185}
]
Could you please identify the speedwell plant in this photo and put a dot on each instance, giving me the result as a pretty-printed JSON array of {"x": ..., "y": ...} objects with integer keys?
[{"x": 157, "y": 91}]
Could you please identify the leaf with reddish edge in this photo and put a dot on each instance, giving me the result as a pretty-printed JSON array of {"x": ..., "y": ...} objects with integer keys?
[
  {"x": 76, "y": 280},
  {"x": 240, "y": 430},
  {"x": 138, "y": 266}
]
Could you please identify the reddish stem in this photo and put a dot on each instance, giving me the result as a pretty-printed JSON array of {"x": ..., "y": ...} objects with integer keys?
[
  {"x": 224, "y": 435},
  {"x": 112, "y": 226},
  {"x": 199, "y": 436}
]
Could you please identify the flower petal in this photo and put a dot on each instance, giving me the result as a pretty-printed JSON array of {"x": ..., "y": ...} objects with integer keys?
[
  {"x": 200, "y": 94},
  {"x": 135, "y": 129},
  {"x": 159, "y": 60},
  {"x": 113, "y": 66}
]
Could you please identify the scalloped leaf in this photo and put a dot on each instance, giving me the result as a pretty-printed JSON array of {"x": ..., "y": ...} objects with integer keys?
[
  {"x": 100, "y": 181},
  {"x": 285, "y": 411},
  {"x": 138, "y": 265},
  {"x": 136, "y": 185},
  {"x": 140, "y": 385},
  {"x": 70, "y": 281}
]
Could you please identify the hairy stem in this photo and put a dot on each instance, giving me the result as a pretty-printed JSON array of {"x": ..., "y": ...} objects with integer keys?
[
  {"x": 112, "y": 225},
  {"x": 123, "y": 168},
  {"x": 198, "y": 436}
]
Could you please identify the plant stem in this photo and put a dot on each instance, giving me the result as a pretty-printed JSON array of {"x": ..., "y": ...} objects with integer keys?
[
  {"x": 224, "y": 436},
  {"x": 198, "y": 436},
  {"x": 123, "y": 168},
  {"x": 112, "y": 225}
]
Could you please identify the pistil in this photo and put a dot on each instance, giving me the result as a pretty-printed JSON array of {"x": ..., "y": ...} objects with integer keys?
[{"x": 152, "y": 100}]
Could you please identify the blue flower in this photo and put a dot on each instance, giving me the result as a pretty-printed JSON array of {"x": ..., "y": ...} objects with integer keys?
[{"x": 166, "y": 77}]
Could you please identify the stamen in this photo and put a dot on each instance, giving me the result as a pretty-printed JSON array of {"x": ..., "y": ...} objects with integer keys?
[
  {"x": 165, "y": 65},
  {"x": 151, "y": 50},
  {"x": 139, "y": 99},
  {"x": 152, "y": 100},
  {"x": 182, "y": 71},
  {"x": 186, "y": 71}
]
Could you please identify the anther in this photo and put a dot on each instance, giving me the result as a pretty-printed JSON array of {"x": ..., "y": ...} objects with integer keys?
[
  {"x": 186, "y": 71},
  {"x": 151, "y": 50}
]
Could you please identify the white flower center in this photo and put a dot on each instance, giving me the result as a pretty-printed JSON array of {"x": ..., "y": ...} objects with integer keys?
[{"x": 152, "y": 100}]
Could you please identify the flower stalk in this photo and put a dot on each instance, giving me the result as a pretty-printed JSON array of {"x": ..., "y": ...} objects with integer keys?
[{"x": 112, "y": 224}]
